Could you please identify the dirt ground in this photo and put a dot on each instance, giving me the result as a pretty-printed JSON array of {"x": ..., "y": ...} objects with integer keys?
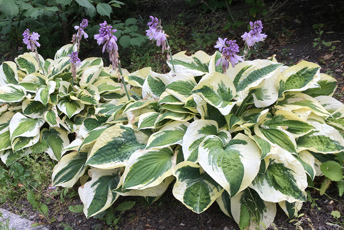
[{"x": 291, "y": 36}]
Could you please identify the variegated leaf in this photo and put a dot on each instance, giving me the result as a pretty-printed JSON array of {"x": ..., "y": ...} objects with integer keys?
[
  {"x": 51, "y": 117},
  {"x": 138, "y": 77},
  {"x": 194, "y": 135},
  {"x": 327, "y": 86},
  {"x": 69, "y": 169},
  {"x": 291, "y": 209},
  {"x": 57, "y": 140},
  {"x": 293, "y": 101},
  {"x": 21, "y": 142},
  {"x": 234, "y": 165},
  {"x": 218, "y": 90},
  {"x": 21, "y": 126},
  {"x": 70, "y": 107},
  {"x": 155, "y": 85},
  {"x": 107, "y": 85},
  {"x": 181, "y": 86},
  {"x": 195, "y": 188},
  {"x": 9, "y": 156},
  {"x": 33, "y": 109},
  {"x": 12, "y": 93},
  {"x": 169, "y": 135},
  {"x": 33, "y": 82},
  {"x": 27, "y": 63},
  {"x": 290, "y": 122},
  {"x": 65, "y": 50},
  {"x": 147, "y": 120},
  {"x": 43, "y": 93},
  {"x": 282, "y": 178},
  {"x": 8, "y": 73},
  {"x": 251, "y": 212},
  {"x": 98, "y": 194},
  {"x": 148, "y": 168},
  {"x": 299, "y": 77},
  {"x": 167, "y": 98},
  {"x": 89, "y": 76},
  {"x": 324, "y": 139},
  {"x": 114, "y": 147},
  {"x": 196, "y": 64}
]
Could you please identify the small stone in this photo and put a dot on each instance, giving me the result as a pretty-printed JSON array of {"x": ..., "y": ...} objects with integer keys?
[
  {"x": 182, "y": 224},
  {"x": 33, "y": 216},
  {"x": 225, "y": 228}
]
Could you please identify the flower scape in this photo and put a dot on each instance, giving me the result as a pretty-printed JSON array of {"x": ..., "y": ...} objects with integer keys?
[{"x": 246, "y": 134}]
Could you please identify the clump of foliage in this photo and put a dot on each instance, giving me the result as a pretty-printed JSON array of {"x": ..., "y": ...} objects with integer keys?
[{"x": 247, "y": 136}]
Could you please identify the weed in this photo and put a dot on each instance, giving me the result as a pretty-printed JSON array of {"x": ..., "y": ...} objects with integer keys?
[{"x": 318, "y": 41}]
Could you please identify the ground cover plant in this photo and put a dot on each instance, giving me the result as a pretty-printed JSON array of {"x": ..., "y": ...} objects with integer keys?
[{"x": 195, "y": 124}]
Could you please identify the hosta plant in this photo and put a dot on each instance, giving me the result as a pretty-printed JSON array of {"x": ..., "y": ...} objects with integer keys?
[{"x": 247, "y": 137}]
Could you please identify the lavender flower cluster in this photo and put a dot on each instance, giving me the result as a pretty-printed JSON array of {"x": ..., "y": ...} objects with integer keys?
[
  {"x": 155, "y": 32},
  {"x": 30, "y": 40},
  {"x": 230, "y": 49}
]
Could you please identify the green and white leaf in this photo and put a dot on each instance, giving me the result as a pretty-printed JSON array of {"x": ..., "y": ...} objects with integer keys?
[
  {"x": 114, "y": 147},
  {"x": 181, "y": 86},
  {"x": 19, "y": 143},
  {"x": 147, "y": 120},
  {"x": 327, "y": 86},
  {"x": 98, "y": 194},
  {"x": 324, "y": 139},
  {"x": 194, "y": 135},
  {"x": 218, "y": 90},
  {"x": 170, "y": 134},
  {"x": 8, "y": 73},
  {"x": 64, "y": 51},
  {"x": 69, "y": 169},
  {"x": 106, "y": 85},
  {"x": 51, "y": 117},
  {"x": 308, "y": 162},
  {"x": 155, "y": 85},
  {"x": 196, "y": 64},
  {"x": 234, "y": 165},
  {"x": 89, "y": 76},
  {"x": 12, "y": 93},
  {"x": 21, "y": 126},
  {"x": 195, "y": 188},
  {"x": 299, "y": 77},
  {"x": 291, "y": 209},
  {"x": 251, "y": 212},
  {"x": 27, "y": 63},
  {"x": 43, "y": 93},
  {"x": 33, "y": 109},
  {"x": 70, "y": 107},
  {"x": 138, "y": 77},
  {"x": 33, "y": 82},
  {"x": 294, "y": 101},
  {"x": 148, "y": 168},
  {"x": 57, "y": 140},
  {"x": 283, "y": 179}
]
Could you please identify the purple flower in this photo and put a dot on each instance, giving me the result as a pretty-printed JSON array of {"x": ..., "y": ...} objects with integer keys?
[
  {"x": 229, "y": 53},
  {"x": 30, "y": 40},
  {"x": 155, "y": 32},
  {"x": 154, "y": 22},
  {"x": 220, "y": 44},
  {"x": 255, "y": 34},
  {"x": 80, "y": 30},
  {"x": 74, "y": 58},
  {"x": 106, "y": 36}
]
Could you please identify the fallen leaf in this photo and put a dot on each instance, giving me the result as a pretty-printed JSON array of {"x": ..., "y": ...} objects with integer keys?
[{"x": 328, "y": 56}]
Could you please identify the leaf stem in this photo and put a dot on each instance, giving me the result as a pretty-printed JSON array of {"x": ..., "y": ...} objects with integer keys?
[{"x": 123, "y": 81}]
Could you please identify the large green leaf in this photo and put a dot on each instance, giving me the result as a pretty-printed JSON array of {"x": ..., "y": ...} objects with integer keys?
[
  {"x": 98, "y": 194},
  {"x": 114, "y": 147},
  {"x": 194, "y": 188},
  {"x": 33, "y": 82},
  {"x": 327, "y": 86},
  {"x": 69, "y": 169},
  {"x": 234, "y": 165},
  {"x": 89, "y": 76},
  {"x": 155, "y": 85},
  {"x": 218, "y": 90},
  {"x": 43, "y": 93},
  {"x": 148, "y": 168}
]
